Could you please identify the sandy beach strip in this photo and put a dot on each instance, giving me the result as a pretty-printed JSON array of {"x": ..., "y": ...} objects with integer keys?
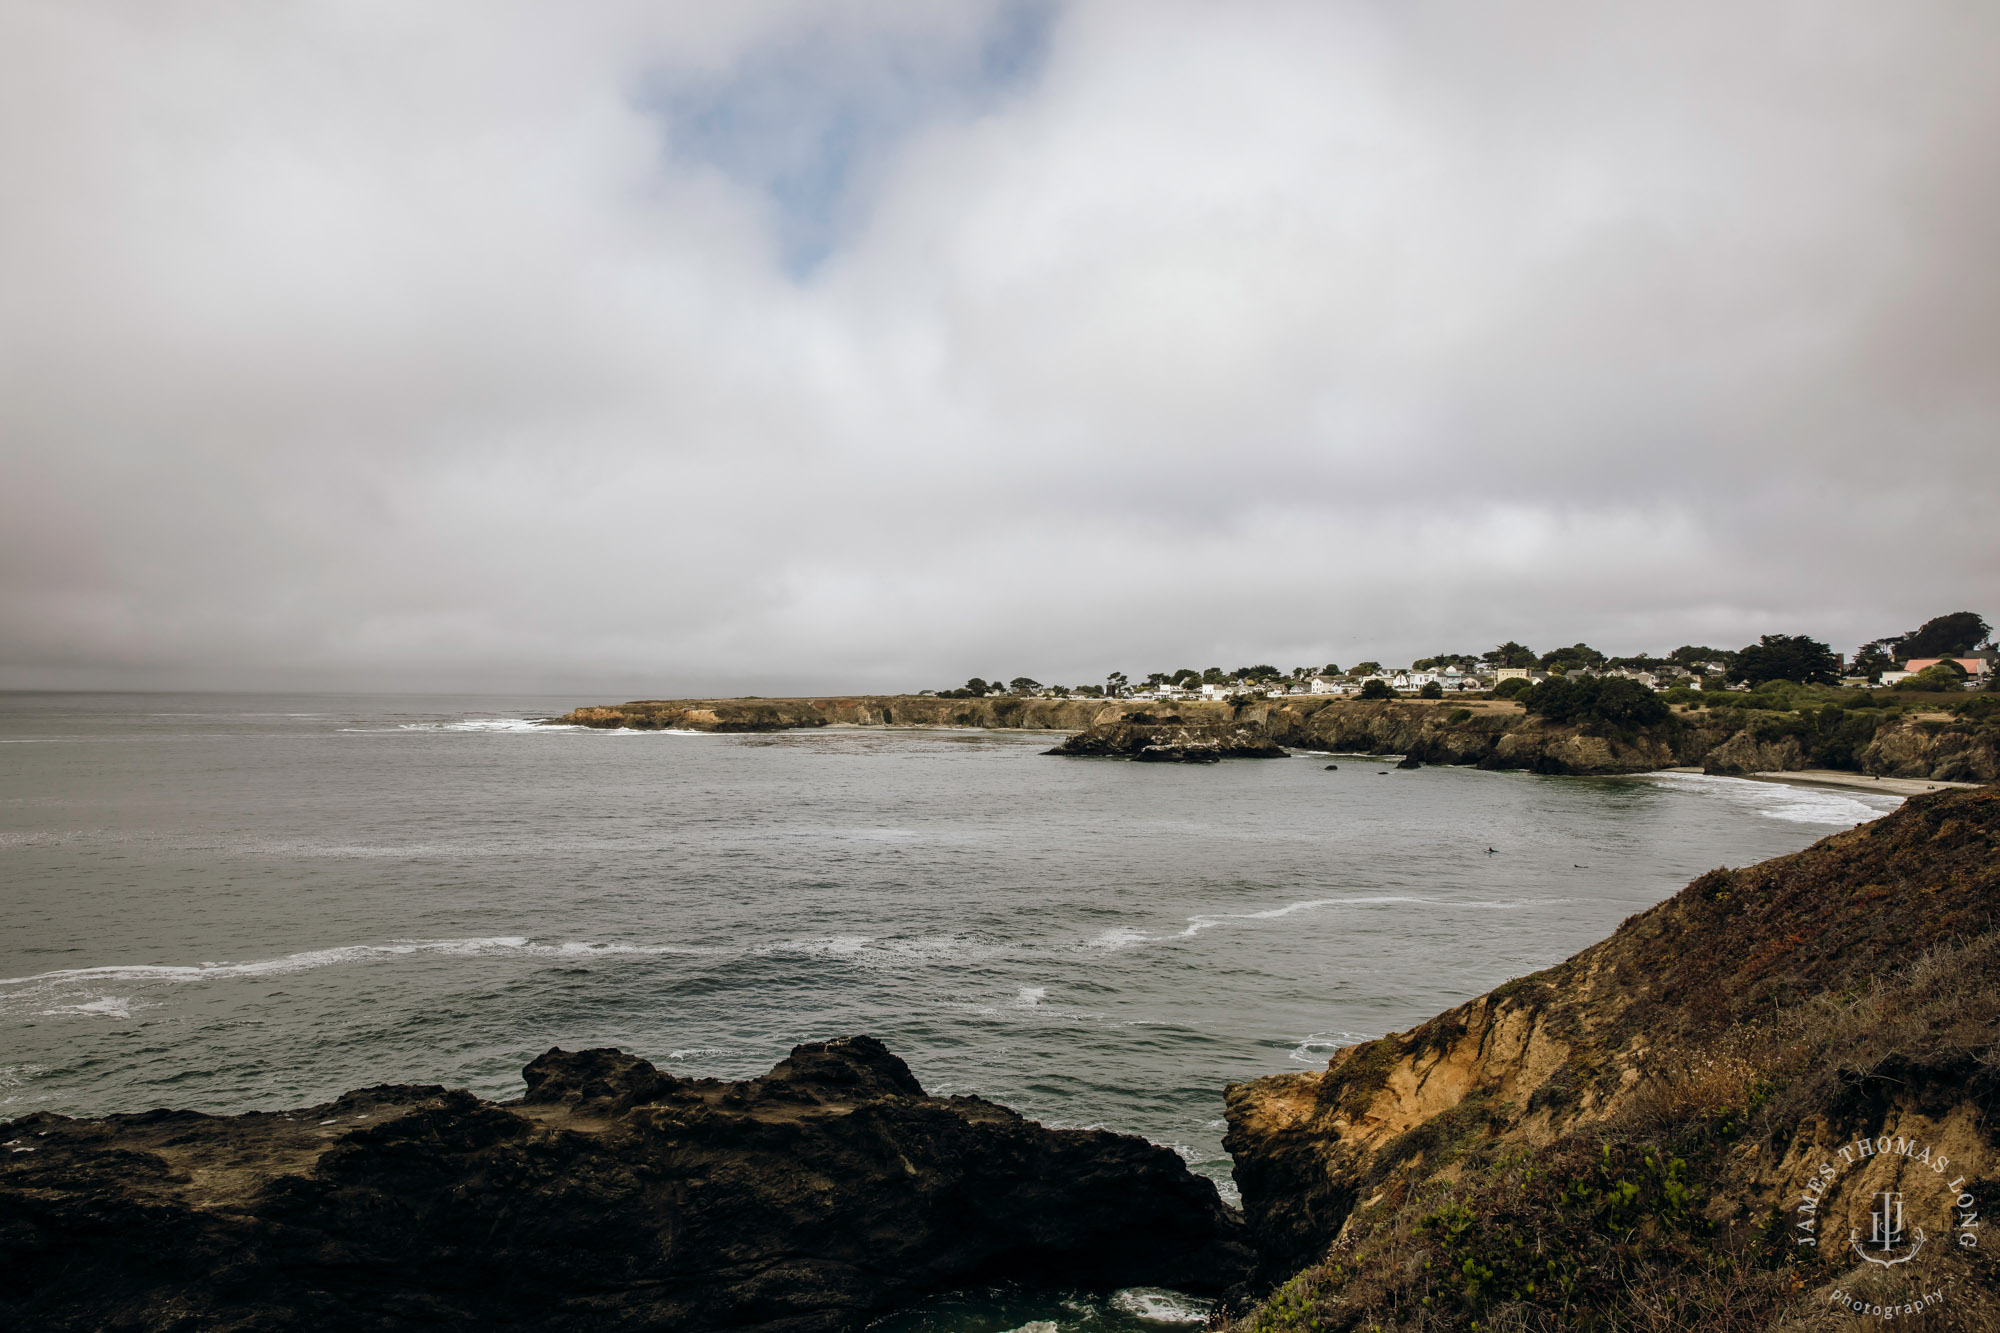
[{"x": 1829, "y": 777}]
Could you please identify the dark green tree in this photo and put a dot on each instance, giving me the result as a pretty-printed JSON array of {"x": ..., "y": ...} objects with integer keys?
[
  {"x": 1365, "y": 669},
  {"x": 1786, "y": 657},
  {"x": 1688, "y": 655},
  {"x": 1510, "y": 654},
  {"x": 1114, "y": 685},
  {"x": 1377, "y": 689},
  {"x": 1430, "y": 690},
  {"x": 1610, "y": 700},
  {"x": 1023, "y": 685},
  {"x": 1512, "y": 686},
  {"x": 1185, "y": 678},
  {"x": 1572, "y": 657},
  {"x": 1944, "y": 636}
]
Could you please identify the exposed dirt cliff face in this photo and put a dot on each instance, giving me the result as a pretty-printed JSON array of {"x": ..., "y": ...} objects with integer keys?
[
  {"x": 1942, "y": 751},
  {"x": 1625, "y": 1140},
  {"x": 1492, "y": 735},
  {"x": 611, "y": 1197},
  {"x": 900, "y": 710},
  {"x": 1488, "y": 733}
]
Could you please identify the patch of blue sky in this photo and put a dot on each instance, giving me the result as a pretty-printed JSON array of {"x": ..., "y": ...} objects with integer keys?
[{"x": 805, "y": 119}]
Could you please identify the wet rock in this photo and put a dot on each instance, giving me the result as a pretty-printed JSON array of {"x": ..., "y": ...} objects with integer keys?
[
  {"x": 1180, "y": 754},
  {"x": 611, "y": 1197},
  {"x": 1173, "y": 742}
]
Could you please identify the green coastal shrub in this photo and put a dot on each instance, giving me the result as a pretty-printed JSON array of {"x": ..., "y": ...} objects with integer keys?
[
  {"x": 1609, "y": 700},
  {"x": 1377, "y": 689},
  {"x": 1512, "y": 686},
  {"x": 1431, "y": 690}
]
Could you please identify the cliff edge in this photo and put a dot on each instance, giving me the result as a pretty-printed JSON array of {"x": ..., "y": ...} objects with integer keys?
[
  {"x": 1693, "y": 1124},
  {"x": 1487, "y": 733},
  {"x": 611, "y": 1197}
]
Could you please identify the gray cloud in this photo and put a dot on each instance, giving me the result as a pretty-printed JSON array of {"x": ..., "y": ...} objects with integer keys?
[{"x": 801, "y": 346}]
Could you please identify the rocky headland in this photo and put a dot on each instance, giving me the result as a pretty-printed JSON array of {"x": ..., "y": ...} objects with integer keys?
[
  {"x": 1665, "y": 1131},
  {"x": 611, "y": 1196},
  {"x": 1491, "y": 734},
  {"x": 998, "y": 712}
]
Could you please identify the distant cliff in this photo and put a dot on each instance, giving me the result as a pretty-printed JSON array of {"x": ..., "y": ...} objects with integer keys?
[
  {"x": 896, "y": 710},
  {"x": 1485, "y": 733},
  {"x": 1663, "y": 1131}
]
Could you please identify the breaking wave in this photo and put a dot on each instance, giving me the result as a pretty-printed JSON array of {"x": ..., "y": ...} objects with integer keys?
[{"x": 1783, "y": 801}]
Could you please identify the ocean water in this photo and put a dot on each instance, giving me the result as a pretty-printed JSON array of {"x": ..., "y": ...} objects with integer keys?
[{"x": 252, "y": 902}]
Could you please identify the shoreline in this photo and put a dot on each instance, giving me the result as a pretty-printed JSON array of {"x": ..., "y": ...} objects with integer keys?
[{"x": 1833, "y": 777}]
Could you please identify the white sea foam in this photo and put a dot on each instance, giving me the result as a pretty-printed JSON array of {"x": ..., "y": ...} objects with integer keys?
[
  {"x": 1206, "y": 920},
  {"x": 1031, "y": 996},
  {"x": 587, "y": 949},
  {"x": 109, "y": 1006},
  {"x": 1317, "y": 1046},
  {"x": 891, "y": 954},
  {"x": 1118, "y": 937},
  {"x": 1036, "y": 1326},
  {"x": 271, "y": 967},
  {"x": 520, "y": 724},
  {"x": 1782, "y": 800},
  {"x": 1161, "y": 1306}
]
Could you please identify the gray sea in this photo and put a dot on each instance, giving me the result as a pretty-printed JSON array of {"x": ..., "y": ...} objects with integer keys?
[{"x": 230, "y": 902}]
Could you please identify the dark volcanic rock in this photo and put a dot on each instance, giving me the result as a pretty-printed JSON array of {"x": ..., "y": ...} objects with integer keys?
[
  {"x": 612, "y": 1197},
  {"x": 1172, "y": 741}
]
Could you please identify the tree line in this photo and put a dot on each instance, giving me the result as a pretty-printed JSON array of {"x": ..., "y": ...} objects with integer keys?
[{"x": 1774, "y": 657}]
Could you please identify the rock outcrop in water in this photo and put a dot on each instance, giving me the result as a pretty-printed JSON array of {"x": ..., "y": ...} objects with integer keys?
[
  {"x": 611, "y": 1197},
  {"x": 1170, "y": 738},
  {"x": 1651, "y": 1135}
]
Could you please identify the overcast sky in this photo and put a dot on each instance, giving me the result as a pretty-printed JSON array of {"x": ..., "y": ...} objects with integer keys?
[{"x": 670, "y": 348}]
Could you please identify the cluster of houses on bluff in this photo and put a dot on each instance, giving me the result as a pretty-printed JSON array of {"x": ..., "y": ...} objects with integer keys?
[
  {"x": 1436, "y": 679},
  {"x": 1453, "y": 680},
  {"x": 1411, "y": 680}
]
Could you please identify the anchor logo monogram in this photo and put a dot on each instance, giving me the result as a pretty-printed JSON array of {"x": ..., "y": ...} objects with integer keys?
[{"x": 1885, "y": 1233}]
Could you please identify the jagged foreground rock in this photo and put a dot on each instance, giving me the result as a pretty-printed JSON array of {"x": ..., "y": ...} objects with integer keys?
[
  {"x": 611, "y": 1197},
  {"x": 1626, "y": 1140}
]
